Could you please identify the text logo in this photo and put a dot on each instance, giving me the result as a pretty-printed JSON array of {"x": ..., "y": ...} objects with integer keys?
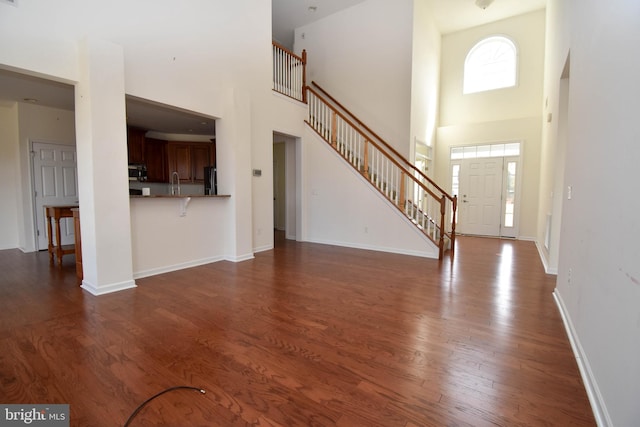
[{"x": 34, "y": 415}]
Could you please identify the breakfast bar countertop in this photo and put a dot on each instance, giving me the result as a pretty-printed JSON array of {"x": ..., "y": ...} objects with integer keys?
[{"x": 181, "y": 196}]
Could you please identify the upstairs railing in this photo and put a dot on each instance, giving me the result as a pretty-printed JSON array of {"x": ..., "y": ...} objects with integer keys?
[
  {"x": 289, "y": 72},
  {"x": 416, "y": 195}
]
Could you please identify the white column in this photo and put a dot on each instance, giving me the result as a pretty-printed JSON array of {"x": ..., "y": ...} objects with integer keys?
[
  {"x": 101, "y": 140},
  {"x": 233, "y": 136}
]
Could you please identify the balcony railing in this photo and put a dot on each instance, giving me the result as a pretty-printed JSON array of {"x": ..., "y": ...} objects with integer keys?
[{"x": 289, "y": 72}]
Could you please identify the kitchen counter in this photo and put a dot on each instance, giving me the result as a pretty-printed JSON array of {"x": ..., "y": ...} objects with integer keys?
[
  {"x": 183, "y": 200},
  {"x": 182, "y": 196},
  {"x": 173, "y": 232}
]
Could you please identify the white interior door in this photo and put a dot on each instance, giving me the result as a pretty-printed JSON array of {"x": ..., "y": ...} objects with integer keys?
[
  {"x": 480, "y": 195},
  {"x": 55, "y": 178}
]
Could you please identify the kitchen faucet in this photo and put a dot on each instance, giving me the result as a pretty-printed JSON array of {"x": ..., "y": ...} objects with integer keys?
[{"x": 173, "y": 189}]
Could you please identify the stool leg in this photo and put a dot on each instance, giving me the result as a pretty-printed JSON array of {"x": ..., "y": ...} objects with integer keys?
[
  {"x": 59, "y": 242},
  {"x": 50, "y": 236}
]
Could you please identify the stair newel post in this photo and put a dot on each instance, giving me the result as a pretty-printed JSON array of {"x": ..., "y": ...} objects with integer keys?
[
  {"x": 304, "y": 76},
  {"x": 443, "y": 210},
  {"x": 401, "y": 196},
  {"x": 334, "y": 128}
]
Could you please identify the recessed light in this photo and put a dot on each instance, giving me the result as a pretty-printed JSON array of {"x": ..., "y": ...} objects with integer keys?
[
  {"x": 313, "y": 8},
  {"x": 31, "y": 100}
]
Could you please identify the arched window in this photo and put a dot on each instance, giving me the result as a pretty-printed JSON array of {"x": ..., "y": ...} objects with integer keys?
[{"x": 491, "y": 64}]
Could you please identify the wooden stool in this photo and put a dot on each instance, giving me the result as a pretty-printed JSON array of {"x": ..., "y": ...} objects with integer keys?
[{"x": 55, "y": 213}]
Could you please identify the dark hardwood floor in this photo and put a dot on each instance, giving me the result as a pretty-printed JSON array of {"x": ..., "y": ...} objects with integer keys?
[{"x": 304, "y": 335}]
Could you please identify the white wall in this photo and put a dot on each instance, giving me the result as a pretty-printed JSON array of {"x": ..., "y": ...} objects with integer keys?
[
  {"x": 500, "y": 115},
  {"x": 9, "y": 176},
  {"x": 527, "y": 130},
  {"x": 204, "y": 61},
  {"x": 164, "y": 240},
  {"x": 599, "y": 273},
  {"x": 425, "y": 86},
  {"x": 341, "y": 208},
  {"x": 554, "y": 138},
  {"x": 36, "y": 124},
  {"x": 524, "y": 100},
  {"x": 363, "y": 56}
]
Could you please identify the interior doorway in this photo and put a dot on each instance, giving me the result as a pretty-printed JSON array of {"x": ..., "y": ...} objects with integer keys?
[
  {"x": 55, "y": 182},
  {"x": 286, "y": 188},
  {"x": 486, "y": 179},
  {"x": 553, "y": 223},
  {"x": 279, "y": 186}
]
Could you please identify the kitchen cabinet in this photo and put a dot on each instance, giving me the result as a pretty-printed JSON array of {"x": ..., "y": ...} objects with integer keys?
[
  {"x": 162, "y": 158},
  {"x": 201, "y": 157},
  {"x": 155, "y": 157},
  {"x": 189, "y": 160},
  {"x": 135, "y": 145}
]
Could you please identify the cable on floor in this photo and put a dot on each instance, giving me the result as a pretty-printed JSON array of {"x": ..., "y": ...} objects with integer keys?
[{"x": 143, "y": 404}]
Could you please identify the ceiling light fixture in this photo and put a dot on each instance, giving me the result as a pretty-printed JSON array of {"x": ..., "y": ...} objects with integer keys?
[
  {"x": 31, "y": 100},
  {"x": 483, "y": 4},
  {"x": 313, "y": 8}
]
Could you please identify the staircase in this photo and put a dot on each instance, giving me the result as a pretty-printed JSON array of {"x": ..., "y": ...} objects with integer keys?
[
  {"x": 421, "y": 200},
  {"x": 431, "y": 209}
]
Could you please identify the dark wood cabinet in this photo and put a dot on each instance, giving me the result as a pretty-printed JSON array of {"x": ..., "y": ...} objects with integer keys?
[
  {"x": 162, "y": 158},
  {"x": 189, "y": 160},
  {"x": 179, "y": 155},
  {"x": 201, "y": 157},
  {"x": 155, "y": 157},
  {"x": 135, "y": 145}
]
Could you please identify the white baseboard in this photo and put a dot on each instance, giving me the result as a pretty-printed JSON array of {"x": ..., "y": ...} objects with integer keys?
[
  {"x": 263, "y": 248},
  {"x": 240, "y": 258},
  {"x": 526, "y": 238},
  {"x": 423, "y": 254},
  {"x": 107, "y": 289},
  {"x": 545, "y": 262},
  {"x": 595, "y": 397},
  {"x": 175, "y": 267}
]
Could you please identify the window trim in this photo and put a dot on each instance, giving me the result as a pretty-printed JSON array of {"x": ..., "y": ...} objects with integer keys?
[{"x": 476, "y": 46}]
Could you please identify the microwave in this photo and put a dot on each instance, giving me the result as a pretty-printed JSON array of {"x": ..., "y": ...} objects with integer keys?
[{"x": 137, "y": 172}]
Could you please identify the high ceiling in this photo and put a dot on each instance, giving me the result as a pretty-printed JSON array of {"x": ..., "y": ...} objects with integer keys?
[
  {"x": 287, "y": 15},
  {"x": 450, "y": 16}
]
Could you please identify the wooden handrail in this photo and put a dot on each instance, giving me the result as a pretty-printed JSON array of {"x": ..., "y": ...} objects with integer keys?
[
  {"x": 323, "y": 119},
  {"x": 289, "y": 52},
  {"x": 386, "y": 144},
  {"x": 391, "y": 159},
  {"x": 289, "y": 82}
]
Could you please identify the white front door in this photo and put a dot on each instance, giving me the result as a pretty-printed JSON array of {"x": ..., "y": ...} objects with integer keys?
[
  {"x": 55, "y": 178},
  {"x": 480, "y": 195}
]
